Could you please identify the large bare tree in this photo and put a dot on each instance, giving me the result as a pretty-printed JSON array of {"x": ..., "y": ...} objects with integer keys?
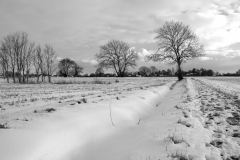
[
  {"x": 4, "y": 62},
  {"x": 51, "y": 57},
  {"x": 117, "y": 55},
  {"x": 7, "y": 51},
  {"x": 177, "y": 43},
  {"x": 20, "y": 42},
  {"x": 18, "y": 51}
]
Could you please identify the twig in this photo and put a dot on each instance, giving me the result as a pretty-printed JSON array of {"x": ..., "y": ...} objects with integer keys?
[{"x": 110, "y": 111}]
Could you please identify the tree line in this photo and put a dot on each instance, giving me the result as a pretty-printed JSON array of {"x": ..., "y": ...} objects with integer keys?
[
  {"x": 19, "y": 56},
  {"x": 176, "y": 42}
]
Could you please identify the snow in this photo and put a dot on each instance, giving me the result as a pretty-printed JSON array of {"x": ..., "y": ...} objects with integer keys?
[{"x": 131, "y": 120}]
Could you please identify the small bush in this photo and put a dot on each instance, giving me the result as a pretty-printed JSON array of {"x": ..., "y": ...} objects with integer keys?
[{"x": 4, "y": 126}]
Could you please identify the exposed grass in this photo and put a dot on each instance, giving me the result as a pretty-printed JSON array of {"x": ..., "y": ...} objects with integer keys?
[
  {"x": 64, "y": 81},
  {"x": 179, "y": 156},
  {"x": 4, "y": 126},
  {"x": 84, "y": 100},
  {"x": 176, "y": 139},
  {"x": 98, "y": 81},
  {"x": 184, "y": 122},
  {"x": 49, "y": 110}
]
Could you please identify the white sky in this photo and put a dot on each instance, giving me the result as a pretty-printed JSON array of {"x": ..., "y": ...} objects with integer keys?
[{"x": 76, "y": 28}]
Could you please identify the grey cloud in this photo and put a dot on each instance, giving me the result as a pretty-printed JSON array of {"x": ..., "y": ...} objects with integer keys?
[{"x": 235, "y": 46}]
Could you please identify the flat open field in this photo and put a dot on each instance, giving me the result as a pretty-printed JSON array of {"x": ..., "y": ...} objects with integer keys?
[{"x": 122, "y": 119}]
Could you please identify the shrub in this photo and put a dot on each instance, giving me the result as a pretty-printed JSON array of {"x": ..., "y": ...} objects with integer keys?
[
  {"x": 84, "y": 100},
  {"x": 4, "y": 126},
  {"x": 49, "y": 110}
]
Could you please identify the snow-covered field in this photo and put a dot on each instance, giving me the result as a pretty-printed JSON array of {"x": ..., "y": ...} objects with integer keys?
[{"x": 121, "y": 119}]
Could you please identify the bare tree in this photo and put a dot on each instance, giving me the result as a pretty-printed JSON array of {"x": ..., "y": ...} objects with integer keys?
[
  {"x": 50, "y": 57},
  {"x": 20, "y": 41},
  {"x": 4, "y": 62},
  {"x": 117, "y": 55},
  {"x": 42, "y": 64},
  {"x": 7, "y": 50},
  {"x": 29, "y": 57},
  {"x": 37, "y": 60},
  {"x": 39, "y": 63},
  {"x": 176, "y": 44}
]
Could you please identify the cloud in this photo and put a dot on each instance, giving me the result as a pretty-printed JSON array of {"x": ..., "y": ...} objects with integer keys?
[
  {"x": 235, "y": 46},
  {"x": 143, "y": 53},
  {"x": 205, "y": 58},
  {"x": 90, "y": 61}
]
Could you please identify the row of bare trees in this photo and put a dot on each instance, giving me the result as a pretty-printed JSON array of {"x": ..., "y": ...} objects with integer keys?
[{"x": 19, "y": 56}]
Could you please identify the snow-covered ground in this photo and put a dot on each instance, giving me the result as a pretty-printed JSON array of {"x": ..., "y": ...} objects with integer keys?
[{"x": 128, "y": 119}]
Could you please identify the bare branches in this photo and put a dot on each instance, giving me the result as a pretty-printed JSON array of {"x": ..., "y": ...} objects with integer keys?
[
  {"x": 177, "y": 43},
  {"x": 50, "y": 57},
  {"x": 18, "y": 56},
  {"x": 37, "y": 60},
  {"x": 117, "y": 55}
]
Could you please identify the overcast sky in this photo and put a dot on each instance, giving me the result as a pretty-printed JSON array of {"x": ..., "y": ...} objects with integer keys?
[{"x": 76, "y": 28}]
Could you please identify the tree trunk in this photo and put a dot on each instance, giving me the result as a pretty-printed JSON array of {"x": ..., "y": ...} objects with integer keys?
[
  {"x": 19, "y": 77},
  {"x": 7, "y": 78},
  {"x": 37, "y": 78},
  {"x": 180, "y": 76},
  {"x": 27, "y": 77},
  {"x": 5, "y": 74},
  {"x": 13, "y": 76},
  {"x": 23, "y": 76},
  {"x": 49, "y": 78}
]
